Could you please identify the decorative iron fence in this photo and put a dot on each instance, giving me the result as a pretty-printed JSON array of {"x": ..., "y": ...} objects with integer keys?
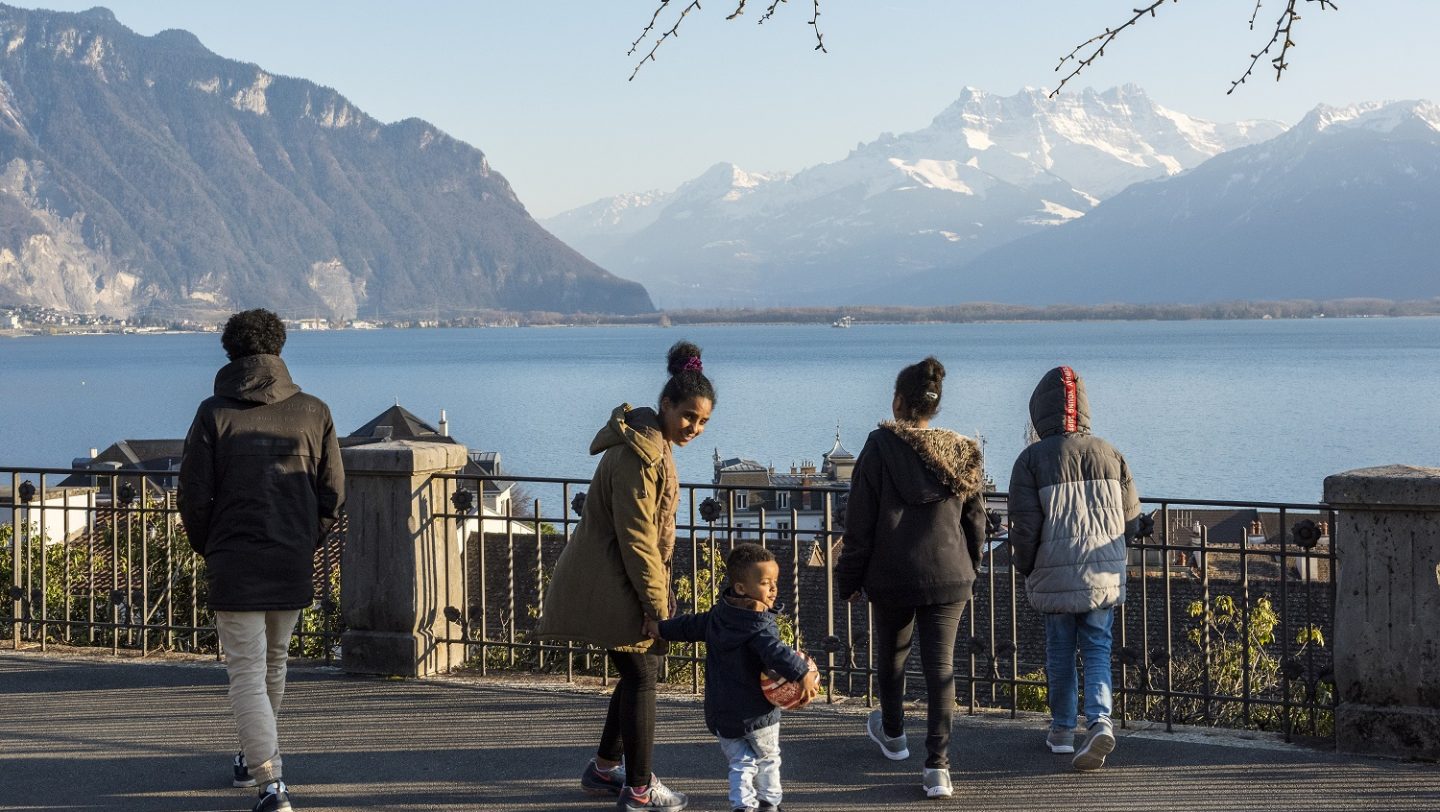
[
  {"x": 1228, "y": 618},
  {"x": 100, "y": 559}
]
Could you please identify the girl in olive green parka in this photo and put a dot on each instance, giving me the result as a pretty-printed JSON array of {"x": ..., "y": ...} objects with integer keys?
[{"x": 614, "y": 573}]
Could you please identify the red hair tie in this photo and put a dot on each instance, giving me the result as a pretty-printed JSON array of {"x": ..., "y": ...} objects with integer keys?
[{"x": 692, "y": 364}]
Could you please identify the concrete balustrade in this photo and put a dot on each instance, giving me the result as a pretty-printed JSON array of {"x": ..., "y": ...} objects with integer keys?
[
  {"x": 401, "y": 565},
  {"x": 1387, "y": 610}
]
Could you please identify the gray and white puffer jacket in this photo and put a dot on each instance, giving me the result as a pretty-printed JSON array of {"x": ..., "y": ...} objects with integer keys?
[{"x": 1072, "y": 505}]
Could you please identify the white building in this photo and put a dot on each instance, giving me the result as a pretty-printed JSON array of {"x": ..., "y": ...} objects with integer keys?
[{"x": 60, "y": 514}]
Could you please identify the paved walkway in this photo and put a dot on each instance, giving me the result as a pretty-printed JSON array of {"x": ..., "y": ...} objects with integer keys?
[{"x": 89, "y": 733}]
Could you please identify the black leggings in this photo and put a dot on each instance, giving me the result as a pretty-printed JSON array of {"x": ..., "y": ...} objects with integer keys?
[
  {"x": 630, "y": 722},
  {"x": 895, "y": 627}
]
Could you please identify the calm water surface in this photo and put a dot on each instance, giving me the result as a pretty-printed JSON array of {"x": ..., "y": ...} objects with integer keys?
[{"x": 1259, "y": 410}]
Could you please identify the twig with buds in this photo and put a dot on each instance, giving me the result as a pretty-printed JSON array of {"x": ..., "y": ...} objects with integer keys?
[
  {"x": 1104, "y": 38},
  {"x": 694, "y": 5},
  {"x": 1283, "y": 27}
]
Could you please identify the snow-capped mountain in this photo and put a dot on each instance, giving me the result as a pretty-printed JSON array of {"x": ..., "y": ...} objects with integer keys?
[
  {"x": 1345, "y": 204},
  {"x": 988, "y": 170}
]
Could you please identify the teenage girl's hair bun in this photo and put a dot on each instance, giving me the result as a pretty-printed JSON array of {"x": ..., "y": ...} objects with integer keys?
[
  {"x": 679, "y": 359},
  {"x": 933, "y": 370},
  {"x": 687, "y": 375},
  {"x": 919, "y": 387}
]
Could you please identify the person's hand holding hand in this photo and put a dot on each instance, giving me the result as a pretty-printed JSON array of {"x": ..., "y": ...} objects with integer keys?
[
  {"x": 651, "y": 628},
  {"x": 812, "y": 684}
]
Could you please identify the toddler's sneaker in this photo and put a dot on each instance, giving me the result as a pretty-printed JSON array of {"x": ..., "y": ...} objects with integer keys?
[
  {"x": 602, "y": 782},
  {"x": 746, "y": 809},
  {"x": 1099, "y": 743},
  {"x": 1061, "y": 741},
  {"x": 937, "y": 783},
  {"x": 242, "y": 778},
  {"x": 656, "y": 798},
  {"x": 766, "y": 806},
  {"x": 275, "y": 797},
  {"x": 894, "y": 749}
]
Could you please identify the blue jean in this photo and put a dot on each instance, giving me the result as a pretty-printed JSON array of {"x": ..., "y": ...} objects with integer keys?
[
  {"x": 1089, "y": 632},
  {"x": 754, "y": 767}
]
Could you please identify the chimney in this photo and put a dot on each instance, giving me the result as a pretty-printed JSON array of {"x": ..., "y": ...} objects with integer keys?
[
  {"x": 444, "y": 425},
  {"x": 94, "y": 452}
]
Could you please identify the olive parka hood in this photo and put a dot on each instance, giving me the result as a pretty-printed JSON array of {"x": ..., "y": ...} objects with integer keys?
[{"x": 615, "y": 570}]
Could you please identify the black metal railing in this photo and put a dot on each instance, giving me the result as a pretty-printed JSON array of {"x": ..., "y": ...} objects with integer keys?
[
  {"x": 100, "y": 559},
  {"x": 1228, "y": 618}
]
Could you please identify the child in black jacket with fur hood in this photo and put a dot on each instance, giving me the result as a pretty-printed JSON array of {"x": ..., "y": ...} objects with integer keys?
[{"x": 915, "y": 523}]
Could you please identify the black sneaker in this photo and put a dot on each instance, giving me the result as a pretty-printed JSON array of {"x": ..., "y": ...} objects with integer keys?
[
  {"x": 275, "y": 797},
  {"x": 766, "y": 806},
  {"x": 242, "y": 778}
]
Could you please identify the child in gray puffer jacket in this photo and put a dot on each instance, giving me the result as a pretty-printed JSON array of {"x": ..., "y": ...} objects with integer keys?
[{"x": 1072, "y": 508}]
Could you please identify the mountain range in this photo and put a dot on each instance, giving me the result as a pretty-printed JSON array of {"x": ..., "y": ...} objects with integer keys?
[
  {"x": 1345, "y": 204},
  {"x": 989, "y": 170},
  {"x": 148, "y": 174}
]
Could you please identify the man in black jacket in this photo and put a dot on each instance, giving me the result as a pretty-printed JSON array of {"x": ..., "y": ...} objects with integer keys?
[{"x": 261, "y": 484}]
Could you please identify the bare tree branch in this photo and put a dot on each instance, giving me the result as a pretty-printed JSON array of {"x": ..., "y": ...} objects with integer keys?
[
  {"x": 653, "y": 17},
  {"x": 694, "y": 5},
  {"x": 1083, "y": 55},
  {"x": 1283, "y": 28},
  {"x": 1105, "y": 38},
  {"x": 770, "y": 12},
  {"x": 673, "y": 32},
  {"x": 815, "y": 21}
]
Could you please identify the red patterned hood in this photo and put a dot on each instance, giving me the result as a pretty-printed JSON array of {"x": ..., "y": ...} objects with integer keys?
[{"x": 1059, "y": 404}]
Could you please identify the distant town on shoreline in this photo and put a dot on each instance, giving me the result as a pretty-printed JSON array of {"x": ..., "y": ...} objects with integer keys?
[{"x": 21, "y": 320}]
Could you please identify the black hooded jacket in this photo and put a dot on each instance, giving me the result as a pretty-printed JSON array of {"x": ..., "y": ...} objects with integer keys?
[
  {"x": 741, "y": 640},
  {"x": 261, "y": 484},
  {"x": 915, "y": 520}
]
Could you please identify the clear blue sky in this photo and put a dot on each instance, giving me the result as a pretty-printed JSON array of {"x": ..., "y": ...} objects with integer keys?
[{"x": 541, "y": 87}]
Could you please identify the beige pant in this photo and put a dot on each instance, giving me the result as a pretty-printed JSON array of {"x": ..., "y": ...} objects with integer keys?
[{"x": 256, "y": 645}]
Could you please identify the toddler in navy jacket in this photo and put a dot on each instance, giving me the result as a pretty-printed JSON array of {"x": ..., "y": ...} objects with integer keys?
[{"x": 741, "y": 641}]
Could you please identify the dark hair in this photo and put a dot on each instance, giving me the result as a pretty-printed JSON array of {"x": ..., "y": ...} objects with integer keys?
[
  {"x": 745, "y": 556},
  {"x": 687, "y": 375},
  {"x": 919, "y": 387},
  {"x": 253, "y": 332}
]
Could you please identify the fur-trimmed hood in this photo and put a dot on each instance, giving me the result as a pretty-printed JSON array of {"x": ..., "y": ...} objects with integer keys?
[{"x": 944, "y": 464}]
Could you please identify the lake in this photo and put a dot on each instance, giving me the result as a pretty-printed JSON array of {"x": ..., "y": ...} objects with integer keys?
[{"x": 1254, "y": 410}]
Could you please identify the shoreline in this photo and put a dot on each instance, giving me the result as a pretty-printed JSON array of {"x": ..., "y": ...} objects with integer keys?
[{"x": 846, "y": 317}]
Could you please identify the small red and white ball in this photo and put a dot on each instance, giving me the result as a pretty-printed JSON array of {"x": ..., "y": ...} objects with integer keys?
[{"x": 786, "y": 694}]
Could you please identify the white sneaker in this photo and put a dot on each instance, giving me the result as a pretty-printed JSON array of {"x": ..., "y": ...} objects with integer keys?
[
  {"x": 1099, "y": 743},
  {"x": 937, "y": 783},
  {"x": 895, "y": 749},
  {"x": 1061, "y": 741}
]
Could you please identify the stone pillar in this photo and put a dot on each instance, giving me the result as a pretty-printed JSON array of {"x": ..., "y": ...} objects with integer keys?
[
  {"x": 401, "y": 566},
  {"x": 1387, "y": 610}
]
